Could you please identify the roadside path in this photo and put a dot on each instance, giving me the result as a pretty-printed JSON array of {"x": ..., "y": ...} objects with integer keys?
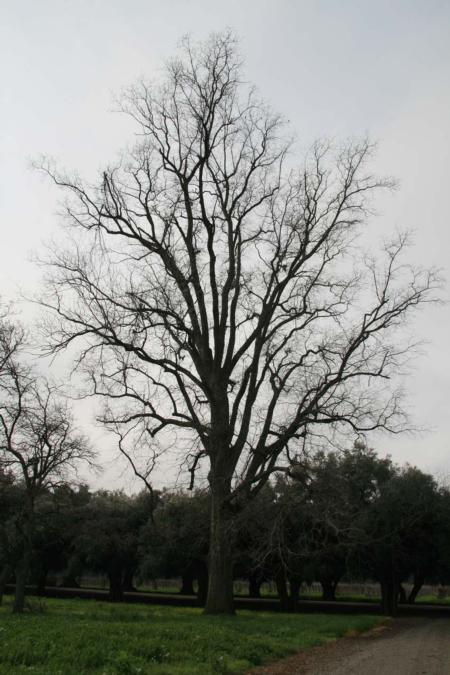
[{"x": 405, "y": 646}]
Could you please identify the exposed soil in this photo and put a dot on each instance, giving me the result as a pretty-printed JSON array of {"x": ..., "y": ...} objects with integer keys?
[{"x": 404, "y": 646}]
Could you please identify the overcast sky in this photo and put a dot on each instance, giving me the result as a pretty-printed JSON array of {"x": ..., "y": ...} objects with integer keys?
[{"x": 334, "y": 68}]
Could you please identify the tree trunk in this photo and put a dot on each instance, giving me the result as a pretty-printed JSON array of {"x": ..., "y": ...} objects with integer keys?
[
  {"x": 187, "y": 582},
  {"x": 389, "y": 597},
  {"x": 220, "y": 586},
  {"x": 419, "y": 581},
  {"x": 22, "y": 570},
  {"x": 70, "y": 581},
  {"x": 128, "y": 580},
  {"x": 203, "y": 582},
  {"x": 294, "y": 586},
  {"x": 42, "y": 582},
  {"x": 255, "y": 581},
  {"x": 329, "y": 590},
  {"x": 4, "y": 577},
  {"x": 401, "y": 594},
  {"x": 115, "y": 586},
  {"x": 280, "y": 580}
]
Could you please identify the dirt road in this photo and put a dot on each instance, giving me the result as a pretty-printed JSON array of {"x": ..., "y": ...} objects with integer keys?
[{"x": 406, "y": 646}]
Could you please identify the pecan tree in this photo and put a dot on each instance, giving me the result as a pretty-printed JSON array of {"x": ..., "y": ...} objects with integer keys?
[{"x": 213, "y": 288}]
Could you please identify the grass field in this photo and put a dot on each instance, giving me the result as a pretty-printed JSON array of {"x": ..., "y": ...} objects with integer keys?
[
  {"x": 83, "y": 636},
  {"x": 433, "y": 600}
]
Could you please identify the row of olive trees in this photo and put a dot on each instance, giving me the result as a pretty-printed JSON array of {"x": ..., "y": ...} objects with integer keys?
[
  {"x": 342, "y": 515},
  {"x": 356, "y": 516}
]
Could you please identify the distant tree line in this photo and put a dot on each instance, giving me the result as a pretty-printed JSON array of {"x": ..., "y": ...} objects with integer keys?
[{"x": 339, "y": 515}]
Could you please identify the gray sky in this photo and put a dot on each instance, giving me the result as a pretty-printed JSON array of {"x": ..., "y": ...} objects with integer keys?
[{"x": 334, "y": 67}]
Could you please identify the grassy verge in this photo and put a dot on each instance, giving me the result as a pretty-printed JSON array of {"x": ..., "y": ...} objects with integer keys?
[
  {"x": 81, "y": 636},
  {"x": 432, "y": 600}
]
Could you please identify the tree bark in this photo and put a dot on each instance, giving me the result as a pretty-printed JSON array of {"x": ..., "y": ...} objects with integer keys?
[
  {"x": 128, "y": 580},
  {"x": 115, "y": 586},
  {"x": 220, "y": 586},
  {"x": 203, "y": 582},
  {"x": 329, "y": 590},
  {"x": 280, "y": 580},
  {"x": 42, "y": 582},
  {"x": 389, "y": 597},
  {"x": 70, "y": 581},
  {"x": 419, "y": 581},
  {"x": 401, "y": 594},
  {"x": 187, "y": 582},
  {"x": 22, "y": 570},
  {"x": 294, "y": 586},
  {"x": 255, "y": 581},
  {"x": 4, "y": 577}
]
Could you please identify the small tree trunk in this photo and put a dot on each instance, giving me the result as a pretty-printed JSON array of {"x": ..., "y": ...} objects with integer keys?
[
  {"x": 23, "y": 568},
  {"x": 115, "y": 586},
  {"x": 22, "y": 571},
  {"x": 328, "y": 590},
  {"x": 389, "y": 597},
  {"x": 187, "y": 582},
  {"x": 294, "y": 586},
  {"x": 255, "y": 581},
  {"x": 280, "y": 580},
  {"x": 4, "y": 577},
  {"x": 70, "y": 581},
  {"x": 220, "y": 586},
  {"x": 203, "y": 582},
  {"x": 419, "y": 581},
  {"x": 128, "y": 580},
  {"x": 401, "y": 594},
  {"x": 42, "y": 582}
]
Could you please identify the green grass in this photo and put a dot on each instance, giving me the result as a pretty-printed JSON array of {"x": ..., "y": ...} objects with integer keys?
[
  {"x": 83, "y": 636},
  {"x": 433, "y": 600}
]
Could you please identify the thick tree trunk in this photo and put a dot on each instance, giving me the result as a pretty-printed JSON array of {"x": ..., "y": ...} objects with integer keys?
[
  {"x": 220, "y": 586},
  {"x": 419, "y": 581}
]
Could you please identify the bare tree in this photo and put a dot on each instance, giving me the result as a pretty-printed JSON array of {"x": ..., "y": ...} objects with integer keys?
[
  {"x": 214, "y": 292},
  {"x": 39, "y": 445}
]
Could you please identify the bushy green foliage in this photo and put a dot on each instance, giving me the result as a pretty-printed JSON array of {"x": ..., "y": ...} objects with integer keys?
[
  {"x": 177, "y": 536},
  {"x": 75, "y": 637}
]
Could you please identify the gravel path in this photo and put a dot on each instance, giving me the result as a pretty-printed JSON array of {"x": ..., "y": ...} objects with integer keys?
[{"x": 405, "y": 646}]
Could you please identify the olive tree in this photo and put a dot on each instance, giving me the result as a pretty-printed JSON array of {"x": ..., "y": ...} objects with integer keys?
[{"x": 212, "y": 285}]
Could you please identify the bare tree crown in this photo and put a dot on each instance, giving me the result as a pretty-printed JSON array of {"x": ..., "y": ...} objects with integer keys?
[
  {"x": 210, "y": 281},
  {"x": 39, "y": 444}
]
